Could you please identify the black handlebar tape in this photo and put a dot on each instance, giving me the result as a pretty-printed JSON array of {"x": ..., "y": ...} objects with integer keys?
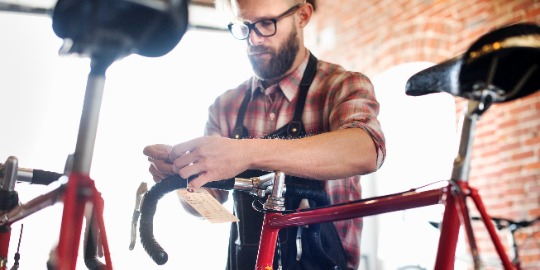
[
  {"x": 227, "y": 184},
  {"x": 148, "y": 210},
  {"x": 319, "y": 196},
  {"x": 42, "y": 177}
]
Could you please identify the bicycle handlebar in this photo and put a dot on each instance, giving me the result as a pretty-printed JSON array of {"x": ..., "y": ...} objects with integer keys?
[
  {"x": 257, "y": 186},
  {"x": 39, "y": 177},
  {"x": 33, "y": 176},
  {"x": 148, "y": 210}
]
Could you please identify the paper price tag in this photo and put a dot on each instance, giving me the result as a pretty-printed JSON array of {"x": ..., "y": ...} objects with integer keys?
[{"x": 207, "y": 206}]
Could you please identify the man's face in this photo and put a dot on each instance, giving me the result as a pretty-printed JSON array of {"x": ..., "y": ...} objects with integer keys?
[
  {"x": 270, "y": 57},
  {"x": 278, "y": 60}
]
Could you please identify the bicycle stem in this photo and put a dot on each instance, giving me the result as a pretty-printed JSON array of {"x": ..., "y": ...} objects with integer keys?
[
  {"x": 257, "y": 186},
  {"x": 9, "y": 200},
  {"x": 276, "y": 201},
  {"x": 10, "y": 169}
]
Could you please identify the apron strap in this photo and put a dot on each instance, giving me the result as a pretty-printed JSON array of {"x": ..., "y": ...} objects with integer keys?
[
  {"x": 307, "y": 79},
  {"x": 240, "y": 131},
  {"x": 295, "y": 128}
]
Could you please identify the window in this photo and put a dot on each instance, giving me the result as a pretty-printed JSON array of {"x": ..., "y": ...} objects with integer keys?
[{"x": 146, "y": 101}]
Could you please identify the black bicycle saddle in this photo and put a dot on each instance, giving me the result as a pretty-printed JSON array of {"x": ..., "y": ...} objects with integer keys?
[
  {"x": 505, "y": 62},
  {"x": 149, "y": 28}
]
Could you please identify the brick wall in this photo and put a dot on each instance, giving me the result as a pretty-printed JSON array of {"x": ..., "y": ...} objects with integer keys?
[{"x": 372, "y": 36}]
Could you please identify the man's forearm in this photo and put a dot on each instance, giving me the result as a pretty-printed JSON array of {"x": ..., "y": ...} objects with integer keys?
[{"x": 331, "y": 155}]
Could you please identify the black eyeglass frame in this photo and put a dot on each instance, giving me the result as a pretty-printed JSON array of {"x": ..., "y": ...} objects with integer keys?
[{"x": 252, "y": 26}]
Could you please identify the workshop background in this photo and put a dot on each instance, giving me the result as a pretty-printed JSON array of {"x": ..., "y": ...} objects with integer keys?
[{"x": 164, "y": 100}]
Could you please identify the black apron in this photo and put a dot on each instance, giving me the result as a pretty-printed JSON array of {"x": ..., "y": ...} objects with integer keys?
[{"x": 244, "y": 238}]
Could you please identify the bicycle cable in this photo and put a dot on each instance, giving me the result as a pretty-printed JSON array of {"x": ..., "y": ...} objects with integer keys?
[
  {"x": 17, "y": 256},
  {"x": 258, "y": 205}
]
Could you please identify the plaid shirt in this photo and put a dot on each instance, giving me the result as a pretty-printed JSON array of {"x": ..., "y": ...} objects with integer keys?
[{"x": 337, "y": 99}]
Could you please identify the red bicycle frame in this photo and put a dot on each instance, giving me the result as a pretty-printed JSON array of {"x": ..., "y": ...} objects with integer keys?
[
  {"x": 453, "y": 196},
  {"x": 454, "y": 206}
]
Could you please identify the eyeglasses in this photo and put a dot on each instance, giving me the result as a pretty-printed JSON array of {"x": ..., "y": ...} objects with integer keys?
[{"x": 263, "y": 27}]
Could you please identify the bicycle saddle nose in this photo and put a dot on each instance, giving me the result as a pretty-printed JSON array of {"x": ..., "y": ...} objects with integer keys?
[
  {"x": 505, "y": 62},
  {"x": 120, "y": 27}
]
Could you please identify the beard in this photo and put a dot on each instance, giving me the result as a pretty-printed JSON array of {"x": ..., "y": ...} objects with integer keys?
[{"x": 280, "y": 61}]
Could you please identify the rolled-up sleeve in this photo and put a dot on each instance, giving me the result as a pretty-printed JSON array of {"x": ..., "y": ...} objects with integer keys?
[{"x": 355, "y": 106}]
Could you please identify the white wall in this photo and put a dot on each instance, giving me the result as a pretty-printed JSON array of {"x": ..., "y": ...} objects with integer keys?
[
  {"x": 421, "y": 144},
  {"x": 146, "y": 101}
]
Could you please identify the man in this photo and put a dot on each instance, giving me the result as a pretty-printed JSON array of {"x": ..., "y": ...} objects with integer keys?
[{"x": 324, "y": 128}]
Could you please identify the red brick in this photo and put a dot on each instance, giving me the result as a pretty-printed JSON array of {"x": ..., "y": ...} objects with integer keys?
[
  {"x": 533, "y": 141},
  {"x": 372, "y": 36},
  {"x": 533, "y": 166},
  {"x": 523, "y": 155}
]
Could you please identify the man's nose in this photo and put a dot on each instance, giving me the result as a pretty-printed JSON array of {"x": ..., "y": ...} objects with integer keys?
[{"x": 254, "y": 38}]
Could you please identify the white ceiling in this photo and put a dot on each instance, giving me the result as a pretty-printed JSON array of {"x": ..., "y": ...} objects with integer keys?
[
  {"x": 27, "y": 6},
  {"x": 46, "y": 4}
]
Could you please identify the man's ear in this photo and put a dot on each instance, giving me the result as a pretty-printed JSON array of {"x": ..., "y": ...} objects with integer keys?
[{"x": 305, "y": 13}]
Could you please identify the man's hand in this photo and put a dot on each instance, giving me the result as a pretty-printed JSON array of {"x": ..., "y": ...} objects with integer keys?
[
  {"x": 211, "y": 158},
  {"x": 160, "y": 165}
]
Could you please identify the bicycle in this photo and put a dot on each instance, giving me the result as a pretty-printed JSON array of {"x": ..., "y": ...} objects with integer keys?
[
  {"x": 485, "y": 74},
  {"x": 104, "y": 32},
  {"x": 510, "y": 227}
]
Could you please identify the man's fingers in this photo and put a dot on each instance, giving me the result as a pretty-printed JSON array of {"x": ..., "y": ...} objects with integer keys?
[
  {"x": 163, "y": 167},
  {"x": 198, "y": 182},
  {"x": 157, "y": 178},
  {"x": 156, "y": 174},
  {"x": 157, "y": 151},
  {"x": 182, "y": 149}
]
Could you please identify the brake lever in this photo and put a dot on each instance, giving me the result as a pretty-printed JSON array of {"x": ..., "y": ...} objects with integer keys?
[{"x": 139, "y": 196}]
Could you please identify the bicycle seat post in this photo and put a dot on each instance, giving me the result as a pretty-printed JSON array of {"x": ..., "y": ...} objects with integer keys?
[
  {"x": 82, "y": 158},
  {"x": 462, "y": 162}
]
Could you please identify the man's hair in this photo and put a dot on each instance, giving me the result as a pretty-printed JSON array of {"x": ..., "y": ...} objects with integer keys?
[{"x": 227, "y": 5}]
